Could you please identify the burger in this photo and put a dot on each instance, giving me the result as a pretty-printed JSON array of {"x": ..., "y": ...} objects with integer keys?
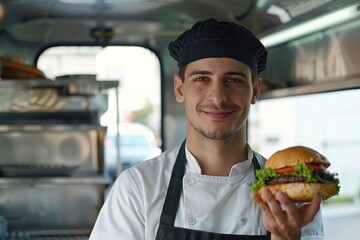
[{"x": 298, "y": 171}]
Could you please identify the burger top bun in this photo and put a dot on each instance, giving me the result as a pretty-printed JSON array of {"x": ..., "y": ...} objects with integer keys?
[{"x": 298, "y": 154}]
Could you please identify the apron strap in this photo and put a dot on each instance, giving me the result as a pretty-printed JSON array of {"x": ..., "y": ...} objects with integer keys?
[
  {"x": 173, "y": 194},
  {"x": 256, "y": 163},
  {"x": 256, "y": 167}
]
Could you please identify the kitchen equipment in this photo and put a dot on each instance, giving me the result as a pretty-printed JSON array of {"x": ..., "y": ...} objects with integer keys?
[
  {"x": 51, "y": 150},
  {"x": 52, "y": 181},
  {"x": 52, "y": 205}
]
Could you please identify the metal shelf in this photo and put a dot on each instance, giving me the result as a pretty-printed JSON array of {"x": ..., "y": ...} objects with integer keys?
[
  {"x": 65, "y": 86},
  {"x": 64, "y": 117},
  {"x": 312, "y": 88}
]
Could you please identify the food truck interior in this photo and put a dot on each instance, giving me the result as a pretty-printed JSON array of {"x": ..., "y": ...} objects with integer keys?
[{"x": 73, "y": 72}]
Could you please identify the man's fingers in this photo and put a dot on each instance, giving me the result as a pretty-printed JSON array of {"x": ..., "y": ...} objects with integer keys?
[
  {"x": 272, "y": 202},
  {"x": 282, "y": 216},
  {"x": 309, "y": 211},
  {"x": 262, "y": 205},
  {"x": 291, "y": 212},
  {"x": 279, "y": 218},
  {"x": 269, "y": 221}
]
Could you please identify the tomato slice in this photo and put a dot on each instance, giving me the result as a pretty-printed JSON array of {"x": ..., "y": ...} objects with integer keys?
[
  {"x": 315, "y": 167},
  {"x": 285, "y": 170}
]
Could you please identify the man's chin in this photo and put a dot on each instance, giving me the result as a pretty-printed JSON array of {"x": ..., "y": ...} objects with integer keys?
[{"x": 216, "y": 136}]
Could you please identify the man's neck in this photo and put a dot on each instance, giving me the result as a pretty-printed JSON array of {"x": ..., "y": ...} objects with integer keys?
[{"x": 217, "y": 157}]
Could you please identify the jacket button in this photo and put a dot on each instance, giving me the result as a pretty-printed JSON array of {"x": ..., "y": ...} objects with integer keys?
[
  {"x": 190, "y": 181},
  {"x": 242, "y": 221},
  {"x": 191, "y": 220},
  {"x": 247, "y": 184}
]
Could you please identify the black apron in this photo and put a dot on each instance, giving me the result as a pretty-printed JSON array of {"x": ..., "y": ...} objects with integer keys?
[{"x": 167, "y": 230}]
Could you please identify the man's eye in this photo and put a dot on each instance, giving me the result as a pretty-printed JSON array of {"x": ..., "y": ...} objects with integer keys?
[
  {"x": 233, "y": 80},
  {"x": 200, "y": 79}
]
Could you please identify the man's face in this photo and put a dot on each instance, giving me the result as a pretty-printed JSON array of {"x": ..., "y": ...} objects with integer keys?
[{"x": 217, "y": 93}]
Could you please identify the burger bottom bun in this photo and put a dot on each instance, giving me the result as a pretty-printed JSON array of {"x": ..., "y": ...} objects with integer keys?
[{"x": 303, "y": 192}]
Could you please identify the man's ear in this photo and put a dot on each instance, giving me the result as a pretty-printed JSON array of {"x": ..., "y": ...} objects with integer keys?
[
  {"x": 178, "y": 88},
  {"x": 256, "y": 90}
]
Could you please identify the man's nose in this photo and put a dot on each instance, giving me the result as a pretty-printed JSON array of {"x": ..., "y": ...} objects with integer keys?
[{"x": 217, "y": 94}]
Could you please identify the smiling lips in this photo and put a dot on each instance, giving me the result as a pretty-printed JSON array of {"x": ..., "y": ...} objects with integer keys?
[{"x": 217, "y": 115}]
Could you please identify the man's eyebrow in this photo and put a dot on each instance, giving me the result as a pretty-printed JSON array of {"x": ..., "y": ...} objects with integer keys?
[
  {"x": 236, "y": 73},
  {"x": 209, "y": 73},
  {"x": 199, "y": 73}
]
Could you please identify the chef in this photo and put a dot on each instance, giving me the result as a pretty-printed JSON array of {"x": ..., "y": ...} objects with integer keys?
[{"x": 202, "y": 189}]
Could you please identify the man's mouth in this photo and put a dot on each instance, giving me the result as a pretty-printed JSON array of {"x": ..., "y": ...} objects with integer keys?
[{"x": 218, "y": 115}]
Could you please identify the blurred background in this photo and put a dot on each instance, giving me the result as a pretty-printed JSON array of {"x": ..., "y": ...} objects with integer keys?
[{"x": 86, "y": 92}]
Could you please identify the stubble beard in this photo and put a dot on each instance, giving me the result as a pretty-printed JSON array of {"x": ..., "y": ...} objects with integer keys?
[
  {"x": 212, "y": 135},
  {"x": 215, "y": 136}
]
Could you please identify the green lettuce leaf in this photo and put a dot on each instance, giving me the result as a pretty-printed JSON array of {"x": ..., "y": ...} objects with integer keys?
[{"x": 262, "y": 175}]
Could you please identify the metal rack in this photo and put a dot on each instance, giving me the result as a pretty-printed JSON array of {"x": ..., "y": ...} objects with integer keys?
[{"x": 52, "y": 181}]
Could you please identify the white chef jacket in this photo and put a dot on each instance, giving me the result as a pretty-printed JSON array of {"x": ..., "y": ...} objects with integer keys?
[{"x": 208, "y": 203}]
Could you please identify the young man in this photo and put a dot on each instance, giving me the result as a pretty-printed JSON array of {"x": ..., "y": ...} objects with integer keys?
[{"x": 202, "y": 190}]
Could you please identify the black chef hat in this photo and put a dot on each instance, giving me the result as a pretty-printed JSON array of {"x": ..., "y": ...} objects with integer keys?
[{"x": 212, "y": 38}]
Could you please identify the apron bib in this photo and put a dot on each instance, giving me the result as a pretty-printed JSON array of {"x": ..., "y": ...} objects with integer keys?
[{"x": 167, "y": 230}]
